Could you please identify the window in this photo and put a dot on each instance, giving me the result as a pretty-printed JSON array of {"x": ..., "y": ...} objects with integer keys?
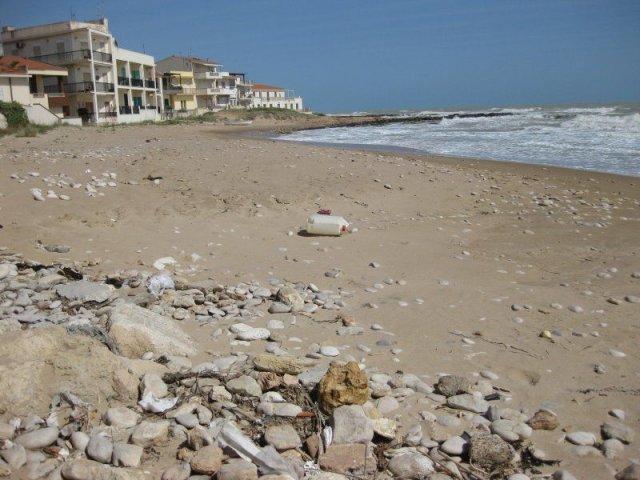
[{"x": 33, "y": 85}]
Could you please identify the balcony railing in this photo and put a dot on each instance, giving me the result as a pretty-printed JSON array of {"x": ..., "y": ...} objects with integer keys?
[
  {"x": 73, "y": 56},
  {"x": 150, "y": 83},
  {"x": 124, "y": 81},
  {"x": 180, "y": 89},
  {"x": 216, "y": 91},
  {"x": 49, "y": 89},
  {"x": 137, "y": 82},
  {"x": 80, "y": 87}
]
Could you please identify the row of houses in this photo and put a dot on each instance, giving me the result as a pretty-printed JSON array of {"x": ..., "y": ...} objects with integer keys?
[{"x": 75, "y": 71}]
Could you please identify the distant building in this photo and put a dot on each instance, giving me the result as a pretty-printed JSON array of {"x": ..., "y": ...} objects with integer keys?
[
  {"x": 14, "y": 85},
  {"x": 267, "y": 96},
  {"x": 197, "y": 85},
  {"x": 105, "y": 83}
]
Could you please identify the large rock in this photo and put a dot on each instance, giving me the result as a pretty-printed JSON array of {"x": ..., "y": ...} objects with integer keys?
[
  {"x": 84, "y": 291},
  {"x": 618, "y": 431},
  {"x": 38, "y": 438},
  {"x": 632, "y": 472},
  {"x": 150, "y": 433},
  {"x": 207, "y": 460},
  {"x": 489, "y": 451},
  {"x": 282, "y": 437},
  {"x": 343, "y": 385},
  {"x": 351, "y": 425},
  {"x": 36, "y": 364},
  {"x": 450, "y": 385},
  {"x": 138, "y": 330},
  {"x": 290, "y": 296}
]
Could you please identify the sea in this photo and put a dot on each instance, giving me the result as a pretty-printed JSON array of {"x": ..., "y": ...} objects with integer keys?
[{"x": 603, "y": 138}]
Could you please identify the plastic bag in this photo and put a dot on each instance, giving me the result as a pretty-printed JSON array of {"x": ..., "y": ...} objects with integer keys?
[{"x": 159, "y": 282}]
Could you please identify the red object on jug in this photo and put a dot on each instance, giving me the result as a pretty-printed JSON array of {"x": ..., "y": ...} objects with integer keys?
[{"x": 324, "y": 211}]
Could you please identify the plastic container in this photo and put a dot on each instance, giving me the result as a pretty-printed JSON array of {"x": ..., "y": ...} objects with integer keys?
[{"x": 318, "y": 224}]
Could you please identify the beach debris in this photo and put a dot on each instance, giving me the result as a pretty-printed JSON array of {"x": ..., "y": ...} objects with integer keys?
[
  {"x": 332, "y": 225},
  {"x": 159, "y": 282}
]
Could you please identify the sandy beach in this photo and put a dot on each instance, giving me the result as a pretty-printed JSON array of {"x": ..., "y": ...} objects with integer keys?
[{"x": 460, "y": 265}]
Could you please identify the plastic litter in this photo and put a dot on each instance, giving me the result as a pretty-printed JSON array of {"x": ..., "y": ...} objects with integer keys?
[
  {"x": 159, "y": 282},
  {"x": 320, "y": 224},
  {"x": 151, "y": 403},
  {"x": 267, "y": 458},
  {"x": 161, "y": 263}
]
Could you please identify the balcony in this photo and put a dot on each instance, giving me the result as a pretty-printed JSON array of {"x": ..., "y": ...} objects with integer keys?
[
  {"x": 73, "y": 56},
  {"x": 137, "y": 82},
  {"x": 216, "y": 91},
  {"x": 123, "y": 81},
  {"x": 53, "y": 90},
  {"x": 87, "y": 87},
  {"x": 180, "y": 90},
  {"x": 150, "y": 83}
]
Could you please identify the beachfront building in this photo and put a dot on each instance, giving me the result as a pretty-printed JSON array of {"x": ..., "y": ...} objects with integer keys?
[
  {"x": 14, "y": 85},
  {"x": 93, "y": 61},
  {"x": 194, "y": 85},
  {"x": 44, "y": 95},
  {"x": 267, "y": 96}
]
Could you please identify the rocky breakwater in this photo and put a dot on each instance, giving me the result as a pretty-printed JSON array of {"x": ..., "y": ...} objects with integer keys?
[{"x": 95, "y": 384}]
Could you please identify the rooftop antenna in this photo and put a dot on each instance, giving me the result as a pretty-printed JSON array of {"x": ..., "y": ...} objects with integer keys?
[{"x": 72, "y": 15}]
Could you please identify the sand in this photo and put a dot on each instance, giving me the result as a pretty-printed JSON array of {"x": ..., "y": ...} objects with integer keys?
[{"x": 485, "y": 248}]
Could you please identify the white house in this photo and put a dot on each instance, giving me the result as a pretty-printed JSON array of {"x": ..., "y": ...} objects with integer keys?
[{"x": 267, "y": 96}]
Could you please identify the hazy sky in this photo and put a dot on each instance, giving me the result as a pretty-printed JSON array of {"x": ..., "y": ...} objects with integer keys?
[{"x": 356, "y": 55}]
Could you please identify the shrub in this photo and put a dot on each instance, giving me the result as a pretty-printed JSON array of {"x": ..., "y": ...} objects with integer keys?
[{"x": 15, "y": 114}]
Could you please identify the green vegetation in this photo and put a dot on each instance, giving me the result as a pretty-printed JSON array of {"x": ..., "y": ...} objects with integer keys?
[
  {"x": 15, "y": 115},
  {"x": 18, "y": 122}
]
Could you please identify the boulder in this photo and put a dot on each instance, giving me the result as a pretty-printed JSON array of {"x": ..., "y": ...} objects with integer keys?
[
  {"x": 489, "y": 451},
  {"x": 138, "y": 330},
  {"x": 36, "y": 364},
  {"x": 343, "y": 385},
  {"x": 84, "y": 291}
]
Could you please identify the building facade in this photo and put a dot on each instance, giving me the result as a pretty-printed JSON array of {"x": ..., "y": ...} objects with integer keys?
[
  {"x": 267, "y": 96},
  {"x": 45, "y": 85},
  {"x": 89, "y": 53}
]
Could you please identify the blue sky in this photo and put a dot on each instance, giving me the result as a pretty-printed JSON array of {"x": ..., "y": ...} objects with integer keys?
[{"x": 357, "y": 55}]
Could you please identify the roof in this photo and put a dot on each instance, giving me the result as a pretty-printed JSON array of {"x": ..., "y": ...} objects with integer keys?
[
  {"x": 199, "y": 60},
  {"x": 259, "y": 86},
  {"x": 12, "y": 72},
  {"x": 26, "y": 65}
]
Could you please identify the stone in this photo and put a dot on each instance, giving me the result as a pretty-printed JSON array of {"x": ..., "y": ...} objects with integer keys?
[
  {"x": 177, "y": 472},
  {"x": 244, "y": 385},
  {"x": 121, "y": 417},
  {"x": 489, "y": 451},
  {"x": 290, "y": 297},
  {"x": 282, "y": 437},
  {"x": 385, "y": 427},
  {"x": 79, "y": 441},
  {"x": 466, "y": 401},
  {"x": 237, "y": 469},
  {"x": 348, "y": 459},
  {"x": 187, "y": 420},
  {"x": 151, "y": 383},
  {"x": 454, "y": 446},
  {"x": 127, "y": 455},
  {"x": 329, "y": 351},
  {"x": 82, "y": 469},
  {"x": 618, "y": 431},
  {"x": 84, "y": 291},
  {"x": 253, "y": 334},
  {"x": 38, "y": 438},
  {"x": 351, "y": 425},
  {"x": 279, "y": 409},
  {"x": 343, "y": 385},
  {"x": 100, "y": 448},
  {"x": 451, "y": 385},
  {"x": 612, "y": 447},
  {"x": 387, "y": 405},
  {"x": 581, "y": 438},
  {"x": 411, "y": 466},
  {"x": 280, "y": 364},
  {"x": 544, "y": 420},
  {"x": 278, "y": 307},
  {"x": 207, "y": 460},
  {"x": 518, "y": 476},
  {"x": 138, "y": 330},
  {"x": 149, "y": 433},
  {"x": 15, "y": 456},
  {"x": 632, "y": 472}
]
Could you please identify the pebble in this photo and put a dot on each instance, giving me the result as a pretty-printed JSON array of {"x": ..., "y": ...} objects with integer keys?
[
  {"x": 632, "y": 299},
  {"x": 351, "y": 425},
  {"x": 282, "y": 437},
  {"x": 617, "y": 353},
  {"x": 127, "y": 455},
  {"x": 100, "y": 448},
  {"x": 576, "y": 308},
  {"x": 329, "y": 351},
  {"x": 454, "y": 446},
  {"x": 617, "y": 413},
  {"x": 468, "y": 402},
  {"x": 581, "y": 438},
  {"x": 38, "y": 438},
  {"x": 121, "y": 417}
]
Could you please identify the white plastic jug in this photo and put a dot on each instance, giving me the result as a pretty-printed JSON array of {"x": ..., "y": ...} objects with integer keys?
[{"x": 318, "y": 224}]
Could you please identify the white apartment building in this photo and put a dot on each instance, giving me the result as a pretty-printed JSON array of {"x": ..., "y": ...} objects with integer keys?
[
  {"x": 267, "y": 96},
  {"x": 94, "y": 62}
]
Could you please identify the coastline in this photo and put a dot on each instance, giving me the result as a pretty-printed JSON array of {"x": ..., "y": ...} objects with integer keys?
[{"x": 492, "y": 253}]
